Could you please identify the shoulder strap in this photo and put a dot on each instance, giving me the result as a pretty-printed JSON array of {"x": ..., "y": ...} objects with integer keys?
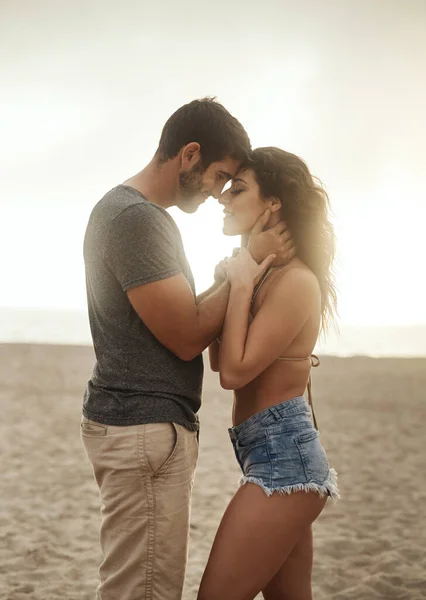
[
  {"x": 311, "y": 403},
  {"x": 315, "y": 362},
  {"x": 262, "y": 281}
]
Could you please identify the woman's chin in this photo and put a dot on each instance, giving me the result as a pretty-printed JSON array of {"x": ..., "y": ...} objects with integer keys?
[
  {"x": 231, "y": 229},
  {"x": 226, "y": 232}
]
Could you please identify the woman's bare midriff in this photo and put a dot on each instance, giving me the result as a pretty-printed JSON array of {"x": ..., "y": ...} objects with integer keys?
[{"x": 282, "y": 380}]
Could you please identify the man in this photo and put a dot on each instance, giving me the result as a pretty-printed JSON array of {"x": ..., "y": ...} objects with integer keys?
[{"x": 140, "y": 426}]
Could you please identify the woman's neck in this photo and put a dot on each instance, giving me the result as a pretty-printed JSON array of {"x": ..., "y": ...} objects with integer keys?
[{"x": 274, "y": 219}]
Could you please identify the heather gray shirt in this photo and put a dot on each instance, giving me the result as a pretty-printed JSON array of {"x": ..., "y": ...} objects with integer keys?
[{"x": 130, "y": 242}]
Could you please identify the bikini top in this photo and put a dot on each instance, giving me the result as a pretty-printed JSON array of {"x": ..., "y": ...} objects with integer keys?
[{"x": 315, "y": 361}]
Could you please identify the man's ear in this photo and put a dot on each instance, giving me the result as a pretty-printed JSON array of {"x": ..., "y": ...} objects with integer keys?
[
  {"x": 190, "y": 155},
  {"x": 274, "y": 204}
]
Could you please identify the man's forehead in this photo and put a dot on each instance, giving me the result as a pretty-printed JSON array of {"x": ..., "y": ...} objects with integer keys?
[{"x": 228, "y": 167}]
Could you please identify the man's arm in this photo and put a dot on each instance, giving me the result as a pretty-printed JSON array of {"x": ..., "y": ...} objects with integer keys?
[
  {"x": 209, "y": 291},
  {"x": 140, "y": 250},
  {"x": 183, "y": 325},
  {"x": 186, "y": 326},
  {"x": 141, "y": 254},
  {"x": 214, "y": 356}
]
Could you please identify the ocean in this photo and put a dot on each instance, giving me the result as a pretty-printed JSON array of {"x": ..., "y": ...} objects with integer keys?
[{"x": 72, "y": 328}]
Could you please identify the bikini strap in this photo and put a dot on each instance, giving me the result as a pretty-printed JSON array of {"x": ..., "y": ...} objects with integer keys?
[
  {"x": 315, "y": 362},
  {"x": 258, "y": 286},
  {"x": 262, "y": 281}
]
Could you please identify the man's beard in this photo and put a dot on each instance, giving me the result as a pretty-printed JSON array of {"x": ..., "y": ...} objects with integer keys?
[{"x": 191, "y": 185}]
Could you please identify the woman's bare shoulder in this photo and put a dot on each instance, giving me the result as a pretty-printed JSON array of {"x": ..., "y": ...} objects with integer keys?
[{"x": 299, "y": 280}]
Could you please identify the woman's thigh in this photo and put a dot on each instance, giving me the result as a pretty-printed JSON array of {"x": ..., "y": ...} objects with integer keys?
[
  {"x": 293, "y": 580},
  {"x": 255, "y": 537}
]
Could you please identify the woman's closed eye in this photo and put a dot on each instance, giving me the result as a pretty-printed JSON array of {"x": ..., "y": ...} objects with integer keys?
[{"x": 235, "y": 192}]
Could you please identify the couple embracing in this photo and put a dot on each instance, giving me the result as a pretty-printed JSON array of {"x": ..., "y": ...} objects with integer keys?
[{"x": 260, "y": 321}]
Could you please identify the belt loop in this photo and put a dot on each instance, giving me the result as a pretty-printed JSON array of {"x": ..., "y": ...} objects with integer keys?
[{"x": 275, "y": 412}]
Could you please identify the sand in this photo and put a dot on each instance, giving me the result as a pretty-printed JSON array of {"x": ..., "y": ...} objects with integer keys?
[{"x": 372, "y": 415}]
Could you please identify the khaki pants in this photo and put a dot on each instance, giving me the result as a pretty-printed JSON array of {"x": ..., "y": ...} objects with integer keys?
[{"x": 145, "y": 475}]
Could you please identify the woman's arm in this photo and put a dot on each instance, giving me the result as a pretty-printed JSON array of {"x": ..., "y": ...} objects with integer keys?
[{"x": 247, "y": 350}]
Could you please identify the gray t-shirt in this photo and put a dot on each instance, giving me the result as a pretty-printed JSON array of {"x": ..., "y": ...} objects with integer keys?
[{"x": 130, "y": 242}]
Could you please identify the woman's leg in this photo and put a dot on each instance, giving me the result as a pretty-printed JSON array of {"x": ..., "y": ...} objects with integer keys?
[
  {"x": 293, "y": 580},
  {"x": 255, "y": 537}
]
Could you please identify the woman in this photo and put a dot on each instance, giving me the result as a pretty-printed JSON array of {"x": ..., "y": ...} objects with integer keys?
[{"x": 264, "y": 542}]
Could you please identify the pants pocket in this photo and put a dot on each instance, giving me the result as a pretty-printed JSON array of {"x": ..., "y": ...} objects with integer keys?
[
  {"x": 161, "y": 442},
  {"x": 92, "y": 428}
]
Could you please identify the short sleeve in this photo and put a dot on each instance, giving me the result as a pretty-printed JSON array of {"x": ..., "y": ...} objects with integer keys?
[{"x": 141, "y": 246}]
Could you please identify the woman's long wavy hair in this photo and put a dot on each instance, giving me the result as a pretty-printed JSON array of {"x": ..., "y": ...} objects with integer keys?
[{"x": 305, "y": 209}]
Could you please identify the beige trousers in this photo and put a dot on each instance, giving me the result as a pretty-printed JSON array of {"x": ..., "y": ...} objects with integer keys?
[{"x": 145, "y": 475}]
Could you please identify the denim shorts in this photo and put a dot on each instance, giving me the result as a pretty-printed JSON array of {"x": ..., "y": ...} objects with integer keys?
[{"x": 279, "y": 450}]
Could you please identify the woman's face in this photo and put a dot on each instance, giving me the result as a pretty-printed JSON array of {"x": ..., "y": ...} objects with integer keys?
[{"x": 242, "y": 204}]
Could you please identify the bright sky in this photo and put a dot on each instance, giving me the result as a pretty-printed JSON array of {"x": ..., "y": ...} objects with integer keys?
[{"x": 88, "y": 85}]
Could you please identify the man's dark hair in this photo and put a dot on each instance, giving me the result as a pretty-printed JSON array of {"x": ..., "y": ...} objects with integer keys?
[{"x": 207, "y": 122}]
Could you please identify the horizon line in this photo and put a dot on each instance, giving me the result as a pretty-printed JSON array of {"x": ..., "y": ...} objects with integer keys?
[{"x": 83, "y": 311}]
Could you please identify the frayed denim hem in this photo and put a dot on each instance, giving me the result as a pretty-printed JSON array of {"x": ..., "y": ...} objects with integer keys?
[{"x": 327, "y": 488}]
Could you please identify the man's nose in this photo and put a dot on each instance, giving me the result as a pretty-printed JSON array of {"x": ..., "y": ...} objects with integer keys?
[{"x": 217, "y": 191}]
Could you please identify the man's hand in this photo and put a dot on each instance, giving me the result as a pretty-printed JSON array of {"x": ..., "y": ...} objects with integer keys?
[
  {"x": 276, "y": 240},
  {"x": 220, "y": 273}
]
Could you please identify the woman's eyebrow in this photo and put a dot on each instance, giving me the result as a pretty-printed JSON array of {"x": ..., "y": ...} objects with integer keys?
[{"x": 236, "y": 179}]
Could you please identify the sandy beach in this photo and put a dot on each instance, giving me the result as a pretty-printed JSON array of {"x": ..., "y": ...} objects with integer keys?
[{"x": 372, "y": 415}]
